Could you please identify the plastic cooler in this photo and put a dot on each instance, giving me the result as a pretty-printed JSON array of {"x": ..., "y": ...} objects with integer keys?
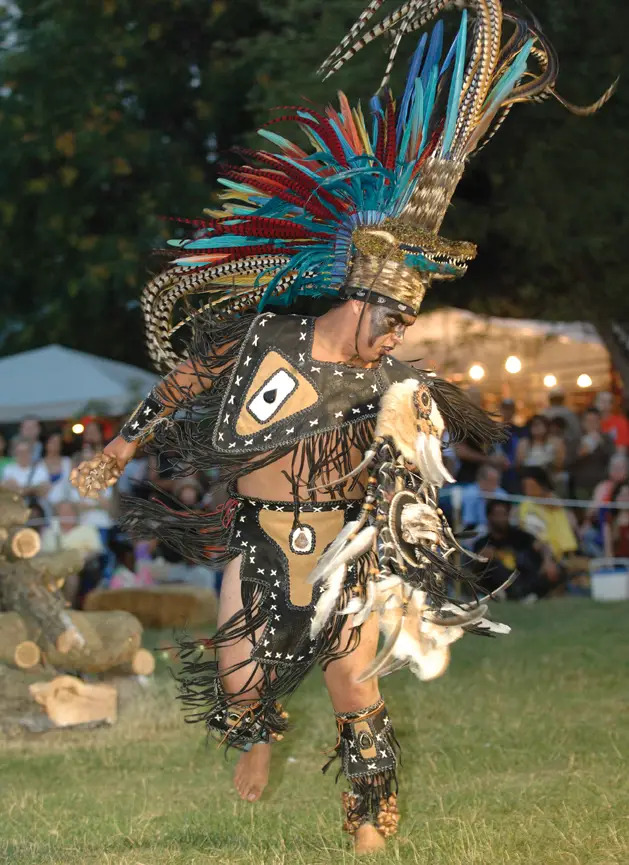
[{"x": 609, "y": 579}]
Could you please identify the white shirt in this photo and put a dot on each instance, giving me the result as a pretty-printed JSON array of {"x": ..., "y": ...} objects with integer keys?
[
  {"x": 96, "y": 515},
  {"x": 31, "y": 476},
  {"x": 86, "y": 539}
]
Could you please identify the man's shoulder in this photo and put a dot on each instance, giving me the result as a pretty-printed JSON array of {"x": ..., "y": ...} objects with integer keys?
[
  {"x": 399, "y": 370},
  {"x": 519, "y": 536}
]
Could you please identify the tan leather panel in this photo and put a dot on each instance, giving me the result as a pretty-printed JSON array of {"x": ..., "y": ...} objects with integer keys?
[
  {"x": 278, "y": 525},
  {"x": 302, "y": 397}
]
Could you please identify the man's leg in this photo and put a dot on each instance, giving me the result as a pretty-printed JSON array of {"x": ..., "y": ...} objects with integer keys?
[
  {"x": 252, "y": 770},
  {"x": 366, "y": 743}
]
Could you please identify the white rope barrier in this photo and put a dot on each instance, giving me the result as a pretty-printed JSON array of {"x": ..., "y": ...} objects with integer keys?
[{"x": 551, "y": 502}]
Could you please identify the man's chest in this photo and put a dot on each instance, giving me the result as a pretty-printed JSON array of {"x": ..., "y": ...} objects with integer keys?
[{"x": 278, "y": 395}]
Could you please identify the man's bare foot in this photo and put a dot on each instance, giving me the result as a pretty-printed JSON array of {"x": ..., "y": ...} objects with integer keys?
[
  {"x": 367, "y": 840},
  {"x": 252, "y": 772}
]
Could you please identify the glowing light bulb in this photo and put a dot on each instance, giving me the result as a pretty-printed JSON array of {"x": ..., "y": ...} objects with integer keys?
[
  {"x": 584, "y": 380},
  {"x": 513, "y": 364},
  {"x": 78, "y": 428},
  {"x": 476, "y": 372},
  {"x": 550, "y": 380}
]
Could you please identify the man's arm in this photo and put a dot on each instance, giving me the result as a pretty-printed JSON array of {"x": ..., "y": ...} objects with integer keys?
[{"x": 182, "y": 383}]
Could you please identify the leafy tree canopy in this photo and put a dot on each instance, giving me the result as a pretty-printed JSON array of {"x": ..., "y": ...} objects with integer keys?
[{"x": 113, "y": 113}]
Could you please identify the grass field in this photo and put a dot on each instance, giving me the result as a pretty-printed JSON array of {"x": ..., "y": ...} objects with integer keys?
[{"x": 517, "y": 756}]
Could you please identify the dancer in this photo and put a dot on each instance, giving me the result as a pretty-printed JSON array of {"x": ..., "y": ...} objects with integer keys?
[{"x": 331, "y": 447}]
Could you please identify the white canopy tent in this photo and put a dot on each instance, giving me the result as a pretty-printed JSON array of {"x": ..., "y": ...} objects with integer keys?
[
  {"x": 54, "y": 383},
  {"x": 451, "y": 341}
]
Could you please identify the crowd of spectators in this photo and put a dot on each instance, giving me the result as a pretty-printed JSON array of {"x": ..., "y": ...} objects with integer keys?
[
  {"x": 37, "y": 463},
  {"x": 507, "y": 504},
  {"x": 540, "y": 501}
]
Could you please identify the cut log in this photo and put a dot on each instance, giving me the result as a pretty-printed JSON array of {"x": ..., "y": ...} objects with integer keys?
[
  {"x": 27, "y": 654},
  {"x": 141, "y": 664},
  {"x": 21, "y": 543},
  {"x": 22, "y": 591},
  {"x": 109, "y": 640},
  {"x": 159, "y": 606},
  {"x": 67, "y": 700},
  {"x": 54, "y": 568}
]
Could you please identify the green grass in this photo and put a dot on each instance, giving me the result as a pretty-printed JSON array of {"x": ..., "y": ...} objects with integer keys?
[{"x": 517, "y": 756}]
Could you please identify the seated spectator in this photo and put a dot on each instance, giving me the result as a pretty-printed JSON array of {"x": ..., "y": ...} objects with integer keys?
[
  {"x": 509, "y": 549},
  {"x": 474, "y": 497},
  {"x": 57, "y": 466},
  {"x": 570, "y": 422},
  {"x": 595, "y": 451},
  {"x": 613, "y": 423},
  {"x": 591, "y": 529},
  {"x": 66, "y": 533},
  {"x": 510, "y": 480},
  {"x": 93, "y": 436},
  {"x": 617, "y": 471},
  {"x": 134, "y": 479},
  {"x": 557, "y": 431},
  {"x": 126, "y": 574},
  {"x": 92, "y": 512},
  {"x": 24, "y": 476},
  {"x": 30, "y": 431},
  {"x": 616, "y": 526},
  {"x": 549, "y": 523},
  {"x": 539, "y": 449},
  {"x": 188, "y": 491}
]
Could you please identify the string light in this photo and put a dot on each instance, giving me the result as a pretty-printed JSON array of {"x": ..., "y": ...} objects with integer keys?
[
  {"x": 78, "y": 428},
  {"x": 550, "y": 380},
  {"x": 513, "y": 364},
  {"x": 476, "y": 372},
  {"x": 584, "y": 380}
]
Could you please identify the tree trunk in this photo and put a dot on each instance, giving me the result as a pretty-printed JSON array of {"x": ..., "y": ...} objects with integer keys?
[{"x": 616, "y": 338}]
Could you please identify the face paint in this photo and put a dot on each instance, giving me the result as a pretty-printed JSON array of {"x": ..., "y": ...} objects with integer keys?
[{"x": 385, "y": 323}]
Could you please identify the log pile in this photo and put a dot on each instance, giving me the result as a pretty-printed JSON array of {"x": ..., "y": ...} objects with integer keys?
[{"x": 35, "y": 623}]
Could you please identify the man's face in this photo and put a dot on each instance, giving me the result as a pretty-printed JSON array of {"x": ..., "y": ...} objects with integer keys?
[
  {"x": 380, "y": 331},
  {"x": 507, "y": 411},
  {"x": 530, "y": 487},
  {"x": 22, "y": 454},
  {"x": 30, "y": 429},
  {"x": 498, "y": 519},
  {"x": 490, "y": 480}
]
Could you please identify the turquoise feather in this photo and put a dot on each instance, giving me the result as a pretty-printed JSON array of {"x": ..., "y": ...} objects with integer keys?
[{"x": 455, "y": 87}]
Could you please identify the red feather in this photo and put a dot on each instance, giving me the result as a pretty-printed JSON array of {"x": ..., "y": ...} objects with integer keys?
[
  {"x": 391, "y": 144},
  {"x": 325, "y": 130},
  {"x": 269, "y": 227}
]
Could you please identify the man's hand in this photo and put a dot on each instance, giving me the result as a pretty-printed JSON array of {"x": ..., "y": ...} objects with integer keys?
[
  {"x": 121, "y": 450},
  {"x": 93, "y": 476}
]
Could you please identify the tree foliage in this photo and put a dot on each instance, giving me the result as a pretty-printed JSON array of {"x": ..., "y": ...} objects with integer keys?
[{"x": 112, "y": 113}]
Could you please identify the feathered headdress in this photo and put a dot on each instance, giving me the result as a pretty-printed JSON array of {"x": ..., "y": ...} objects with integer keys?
[{"x": 358, "y": 214}]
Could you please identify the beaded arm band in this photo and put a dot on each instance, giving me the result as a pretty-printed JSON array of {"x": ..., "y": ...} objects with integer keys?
[{"x": 141, "y": 422}]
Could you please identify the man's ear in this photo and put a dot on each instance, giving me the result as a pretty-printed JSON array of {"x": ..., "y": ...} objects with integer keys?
[{"x": 357, "y": 306}]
